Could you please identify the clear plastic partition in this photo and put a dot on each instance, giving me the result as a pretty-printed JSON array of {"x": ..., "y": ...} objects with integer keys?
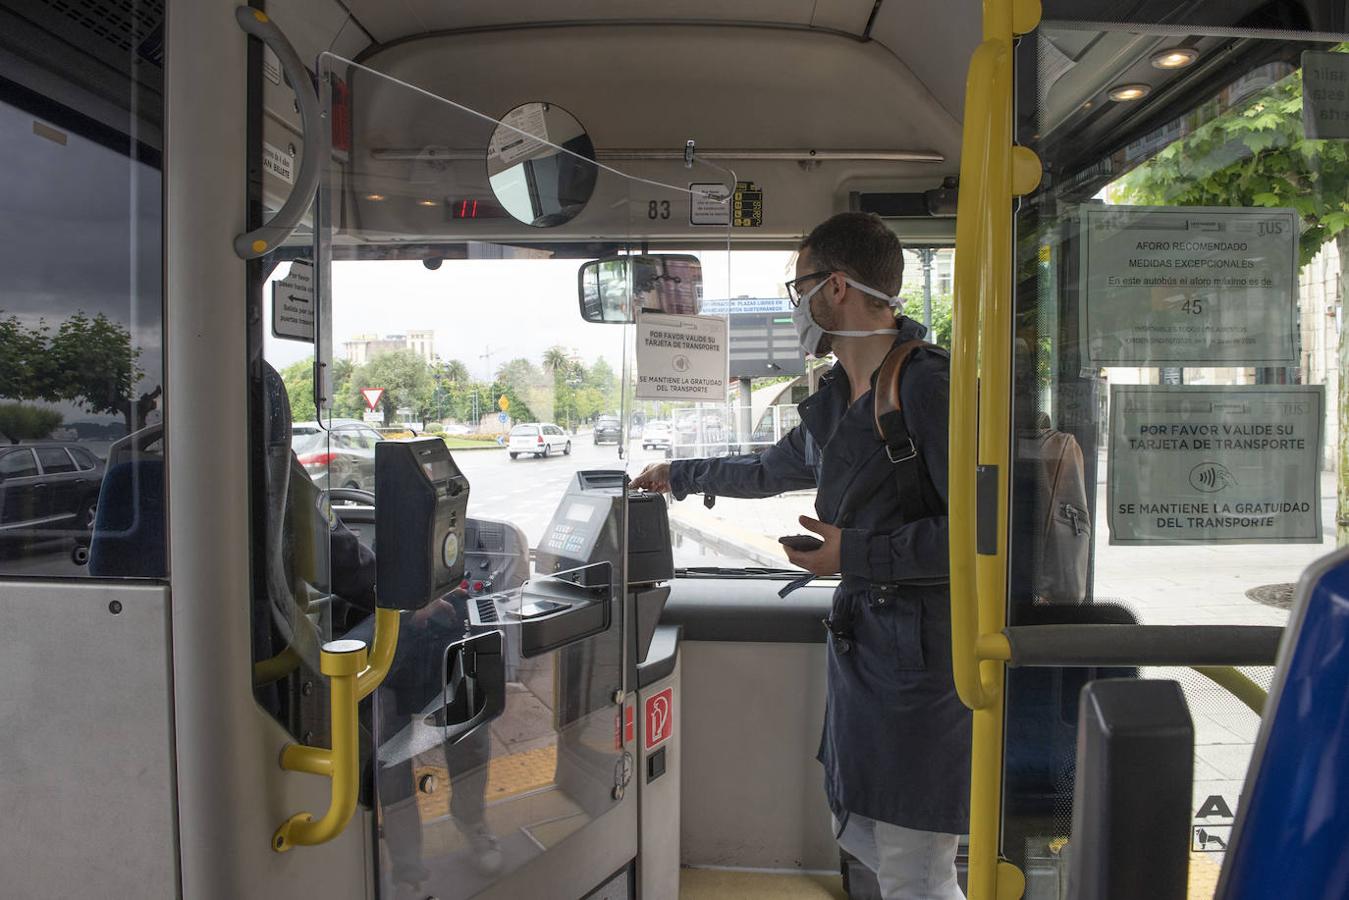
[{"x": 452, "y": 254}]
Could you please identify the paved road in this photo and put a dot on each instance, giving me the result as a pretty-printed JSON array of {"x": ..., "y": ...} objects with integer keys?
[{"x": 527, "y": 490}]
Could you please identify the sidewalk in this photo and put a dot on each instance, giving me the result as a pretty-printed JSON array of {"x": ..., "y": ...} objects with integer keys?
[{"x": 742, "y": 530}]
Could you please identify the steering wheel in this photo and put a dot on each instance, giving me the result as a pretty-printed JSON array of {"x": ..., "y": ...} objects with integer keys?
[{"x": 351, "y": 495}]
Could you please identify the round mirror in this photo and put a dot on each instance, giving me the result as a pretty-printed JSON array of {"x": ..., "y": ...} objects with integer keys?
[{"x": 536, "y": 182}]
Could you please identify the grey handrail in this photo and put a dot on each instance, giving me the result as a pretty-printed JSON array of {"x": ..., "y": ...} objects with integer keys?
[
  {"x": 1143, "y": 645},
  {"x": 265, "y": 238}
]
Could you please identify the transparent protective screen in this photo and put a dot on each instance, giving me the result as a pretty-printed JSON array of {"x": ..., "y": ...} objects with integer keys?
[
  {"x": 1178, "y": 325},
  {"x": 449, "y": 276}
]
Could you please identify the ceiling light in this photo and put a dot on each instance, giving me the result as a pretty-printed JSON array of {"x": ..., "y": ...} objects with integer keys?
[
  {"x": 427, "y": 203},
  {"x": 1175, "y": 58},
  {"x": 1123, "y": 93},
  {"x": 374, "y": 197}
]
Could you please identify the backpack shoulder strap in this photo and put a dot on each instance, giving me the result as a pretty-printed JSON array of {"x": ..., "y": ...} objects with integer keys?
[
  {"x": 918, "y": 496},
  {"x": 888, "y": 403}
]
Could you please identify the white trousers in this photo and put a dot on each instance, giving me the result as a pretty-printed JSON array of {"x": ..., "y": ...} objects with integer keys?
[{"x": 909, "y": 864}]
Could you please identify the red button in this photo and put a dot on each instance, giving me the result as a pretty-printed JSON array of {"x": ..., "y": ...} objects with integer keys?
[
  {"x": 477, "y": 585},
  {"x": 463, "y": 585}
]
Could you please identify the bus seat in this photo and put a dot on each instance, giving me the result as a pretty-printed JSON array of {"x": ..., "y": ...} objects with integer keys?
[
  {"x": 1293, "y": 805},
  {"x": 128, "y": 536}
]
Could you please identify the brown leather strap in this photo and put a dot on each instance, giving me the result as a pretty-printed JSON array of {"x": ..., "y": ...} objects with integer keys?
[{"x": 886, "y": 395}]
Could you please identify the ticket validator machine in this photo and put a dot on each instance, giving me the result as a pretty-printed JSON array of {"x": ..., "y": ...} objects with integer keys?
[{"x": 571, "y": 613}]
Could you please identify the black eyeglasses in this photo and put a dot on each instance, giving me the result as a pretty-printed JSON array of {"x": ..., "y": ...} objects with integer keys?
[{"x": 794, "y": 292}]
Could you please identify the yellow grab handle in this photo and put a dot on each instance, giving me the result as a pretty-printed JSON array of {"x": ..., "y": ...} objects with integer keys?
[
  {"x": 971, "y": 279},
  {"x": 385, "y": 642},
  {"x": 352, "y": 675},
  {"x": 1241, "y": 687}
]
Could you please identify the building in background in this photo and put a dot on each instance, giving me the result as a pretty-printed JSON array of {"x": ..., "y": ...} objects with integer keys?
[{"x": 361, "y": 348}]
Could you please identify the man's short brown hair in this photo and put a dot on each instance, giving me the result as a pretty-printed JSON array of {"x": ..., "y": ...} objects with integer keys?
[{"x": 861, "y": 246}]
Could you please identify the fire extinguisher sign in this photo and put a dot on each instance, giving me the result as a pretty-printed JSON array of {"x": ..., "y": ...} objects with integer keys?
[{"x": 659, "y": 719}]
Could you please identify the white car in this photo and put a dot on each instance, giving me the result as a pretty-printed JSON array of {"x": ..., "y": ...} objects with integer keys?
[
  {"x": 541, "y": 439},
  {"x": 657, "y": 435}
]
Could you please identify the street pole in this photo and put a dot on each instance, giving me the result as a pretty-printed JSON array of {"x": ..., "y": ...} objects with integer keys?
[
  {"x": 746, "y": 415},
  {"x": 926, "y": 255}
]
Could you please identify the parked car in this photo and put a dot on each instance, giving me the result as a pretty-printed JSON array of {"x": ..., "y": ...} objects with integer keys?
[
  {"x": 608, "y": 428},
  {"x": 538, "y": 439},
  {"x": 48, "y": 487},
  {"x": 657, "y": 435},
  {"x": 341, "y": 456}
]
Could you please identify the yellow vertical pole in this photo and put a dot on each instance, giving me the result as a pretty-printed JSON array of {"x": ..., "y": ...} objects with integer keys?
[{"x": 991, "y": 173}]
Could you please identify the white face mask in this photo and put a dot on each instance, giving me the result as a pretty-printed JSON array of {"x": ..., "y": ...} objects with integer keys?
[{"x": 811, "y": 332}]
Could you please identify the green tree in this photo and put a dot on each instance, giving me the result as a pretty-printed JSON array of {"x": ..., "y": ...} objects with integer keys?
[
  {"x": 455, "y": 371},
  {"x": 22, "y": 422},
  {"x": 601, "y": 378},
  {"x": 298, "y": 377},
  {"x": 1257, "y": 154},
  {"x": 405, "y": 378},
  {"x": 529, "y": 390},
  {"x": 88, "y": 361},
  {"x": 22, "y": 352}
]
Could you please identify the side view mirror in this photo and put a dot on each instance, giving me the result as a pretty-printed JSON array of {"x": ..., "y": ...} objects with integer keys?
[{"x": 611, "y": 290}]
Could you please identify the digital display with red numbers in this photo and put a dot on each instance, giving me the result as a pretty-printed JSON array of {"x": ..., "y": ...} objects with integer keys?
[{"x": 474, "y": 209}]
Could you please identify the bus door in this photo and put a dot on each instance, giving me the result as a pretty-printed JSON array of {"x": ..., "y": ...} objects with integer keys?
[
  {"x": 449, "y": 245},
  {"x": 1176, "y": 331}
]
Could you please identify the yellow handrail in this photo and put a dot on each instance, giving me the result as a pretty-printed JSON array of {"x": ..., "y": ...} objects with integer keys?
[
  {"x": 990, "y": 170},
  {"x": 971, "y": 262},
  {"x": 352, "y": 675},
  {"x": 1241, "y": 687}
]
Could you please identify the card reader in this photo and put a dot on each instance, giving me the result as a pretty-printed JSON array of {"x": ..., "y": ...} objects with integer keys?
[{"x": 420, "y": 508}]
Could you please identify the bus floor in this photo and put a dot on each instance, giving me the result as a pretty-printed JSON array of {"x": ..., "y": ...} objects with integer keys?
[{"x": 723, "y": 884}]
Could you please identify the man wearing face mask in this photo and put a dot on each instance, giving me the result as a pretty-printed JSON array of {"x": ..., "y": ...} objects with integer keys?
[{"x": 896, "y": 741}]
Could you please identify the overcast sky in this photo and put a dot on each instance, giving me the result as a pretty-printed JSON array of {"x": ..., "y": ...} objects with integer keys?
[{"x": 67, "y": 241}]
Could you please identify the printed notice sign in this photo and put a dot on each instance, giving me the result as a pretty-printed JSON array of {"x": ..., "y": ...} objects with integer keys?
[
  {"x": 1325, "y": 95},
  {"x": 293, "y": 303},
  {"x": 278, "y": 162},
  {"x": 1188, "y": 286},
  {"x": 1215, "y": 465},
  {"x": 742, "y": 306},
  {"x": 681, "y": 357},
  {"x": 709, "y": 204}
]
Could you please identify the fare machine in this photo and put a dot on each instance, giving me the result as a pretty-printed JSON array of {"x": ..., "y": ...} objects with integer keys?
[{"x": 512, "y": 754}]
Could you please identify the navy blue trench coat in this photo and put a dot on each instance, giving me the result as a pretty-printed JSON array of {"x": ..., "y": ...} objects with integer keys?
[{"x": 896, "y": 741}]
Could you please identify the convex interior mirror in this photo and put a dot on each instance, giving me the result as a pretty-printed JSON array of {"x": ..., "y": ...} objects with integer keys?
[
  {"x": 537, "y": 183},
  {"x": 612, "y": 289}
]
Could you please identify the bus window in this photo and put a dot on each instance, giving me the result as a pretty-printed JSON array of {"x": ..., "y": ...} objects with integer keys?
[{"x": 81, "y": 359}]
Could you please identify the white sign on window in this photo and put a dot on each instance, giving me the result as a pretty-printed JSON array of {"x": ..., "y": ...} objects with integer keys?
[
  {"x": 278, "y": 162},
  {"x": 293, "y": 303},
  {"x": 1188, "y": 286},
  {"x": 681, "y": 357},
  {"x": 1215, "y": 465},
  {"x": 709, "y": 204}
]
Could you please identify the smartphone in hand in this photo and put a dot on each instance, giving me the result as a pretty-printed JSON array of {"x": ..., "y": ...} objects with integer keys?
[{"x": 805, "y": 542}]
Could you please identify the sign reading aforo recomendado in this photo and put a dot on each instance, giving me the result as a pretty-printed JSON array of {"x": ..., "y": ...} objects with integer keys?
[
  {"x": 681, "y": 357},
  {"x": 1215, "y": 465},
  {"x": 1188, "y": 286}
]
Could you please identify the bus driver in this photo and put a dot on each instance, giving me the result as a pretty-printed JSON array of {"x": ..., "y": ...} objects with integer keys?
[{"x": 896, "y": 741}]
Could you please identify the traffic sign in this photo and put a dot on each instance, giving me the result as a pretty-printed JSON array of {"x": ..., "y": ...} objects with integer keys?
[
  {"x": 372, "y": 396},
  {"x": 503, "y": 403},
  {"x": 503, "y": 418}
]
